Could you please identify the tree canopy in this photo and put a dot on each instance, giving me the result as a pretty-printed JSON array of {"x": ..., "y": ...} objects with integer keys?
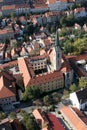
[
  {"x": 82, "y": 82},
  {"x": 73, "y": 87},
  {"x": 32, "y": 92},
  {"x": 29, "y": 122},
  {"x": 2, "y": 115}
]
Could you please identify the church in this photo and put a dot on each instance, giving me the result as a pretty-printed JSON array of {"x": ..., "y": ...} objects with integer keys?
[{"x": 49, "y": 71}]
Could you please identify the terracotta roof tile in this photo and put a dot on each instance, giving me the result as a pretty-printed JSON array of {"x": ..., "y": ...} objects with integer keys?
[
  {"x": 71, "y": 116},
  {"x": 46, "y": 78},
  {"x": 81, "y": 115},
  {"x": 54, "y": 122},
  {"x": 76, "y": 68},
  {"x": 39, "y": 57},
  {"x": 5, "y": 93},
  {"x": 8, "y": 7},
  {"x": 9, "y": 64}
]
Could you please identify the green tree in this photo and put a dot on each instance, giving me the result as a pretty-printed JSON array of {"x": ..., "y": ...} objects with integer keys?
[
  {"x": 66, "y": 92},
  {"x": 48, "y": 27},
  {"x": 29, "y": 122},
  {"x": 46, "y": 100},
  {"x": 16, "y": 44},
  {"x": 71, "y": 20},
  {"x": 82, "y": 82},
  {"x": 32, "y": 92},
  {"x": 29, "y": 29},
  {"x": 18, "y": 22},
  {"x": 13, "y": 15},
  {"x": 7, "y": 41},
  {"x": 63, "y": 21},
  {"x": 52, "y": 107},
  {"x": 2, "y": 115},
  {"x": 13, "y": 115},
  {"x": 73, "y": 87},
  {"x": 56, "y": 97}
]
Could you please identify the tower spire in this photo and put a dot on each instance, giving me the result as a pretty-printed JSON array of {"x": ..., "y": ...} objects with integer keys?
[
  {"x": 57, "y": 53},
  {"x": 57, "y": 43}
]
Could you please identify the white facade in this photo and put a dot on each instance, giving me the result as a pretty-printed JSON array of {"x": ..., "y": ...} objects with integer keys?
[{"x": 76, "y": 102}]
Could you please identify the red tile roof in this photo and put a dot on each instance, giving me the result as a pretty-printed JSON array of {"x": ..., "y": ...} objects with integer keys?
[
  {"x": 46, "y": 78},
  {"x": 76, "y": 68},
  {"x": 7, "y": 85},
  {"x": 8, "y": 7},
  {"x": 7, "y": 75},
  {"x": 72, "y": 118},
  {"x": 52, "y": 1},
  {"x": 51, "y": 120},
  {"x": 81, "y": 115},
  {"x": 9, "y": 64},
  {"x": 77, "y": 58},
  {"x": 54, "y": 122},
  {"x": 5, "y": 93},
  {"x": 39, "y": 57},
  {"x": 78, "y": 10}
]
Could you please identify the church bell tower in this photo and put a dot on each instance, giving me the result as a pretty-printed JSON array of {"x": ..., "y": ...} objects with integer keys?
[{"x": 57, "y": 53}]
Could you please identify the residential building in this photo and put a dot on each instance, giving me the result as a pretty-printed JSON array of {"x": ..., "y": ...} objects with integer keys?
[
  {"x": 7, "y": 90},
  {"x": 79, "y": 64},
  {"x": 47, "y": 121},
  {"x": 7, "y": 9},
  {"x": 5, "y": 124},
  {"x": 58, "y": 5},
  {"x": 80, "y": 12},
  {"x": 10, "y": 124},
  {"x": 6, "y": 33},
  {"x": 75, "y": 118},
  {"x": 79, "y": 99}
]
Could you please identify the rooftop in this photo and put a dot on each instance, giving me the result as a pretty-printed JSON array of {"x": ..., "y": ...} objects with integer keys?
[{"x": 73, "y": 119}]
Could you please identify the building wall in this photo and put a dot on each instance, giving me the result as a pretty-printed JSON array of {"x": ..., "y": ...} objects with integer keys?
[
  {"x": 19, "y": 11},
  {"x": 9, "y": 35},
  {"x": 41, "y": 64},
  {"x": 7, "y": 12},
  {"x": 50, "y": 86},
  {"x": 57, "y": 6},
  {"x": 82, "y": 106},
  {"x": 81, "y": 14},
  {"x": 38, "y": 117},
  {"x": 68, "y": 78},
  {"x": 33, "y": 10},
  {"x": 5, "y": 102},
  {"x": 74, "y": 100}
]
